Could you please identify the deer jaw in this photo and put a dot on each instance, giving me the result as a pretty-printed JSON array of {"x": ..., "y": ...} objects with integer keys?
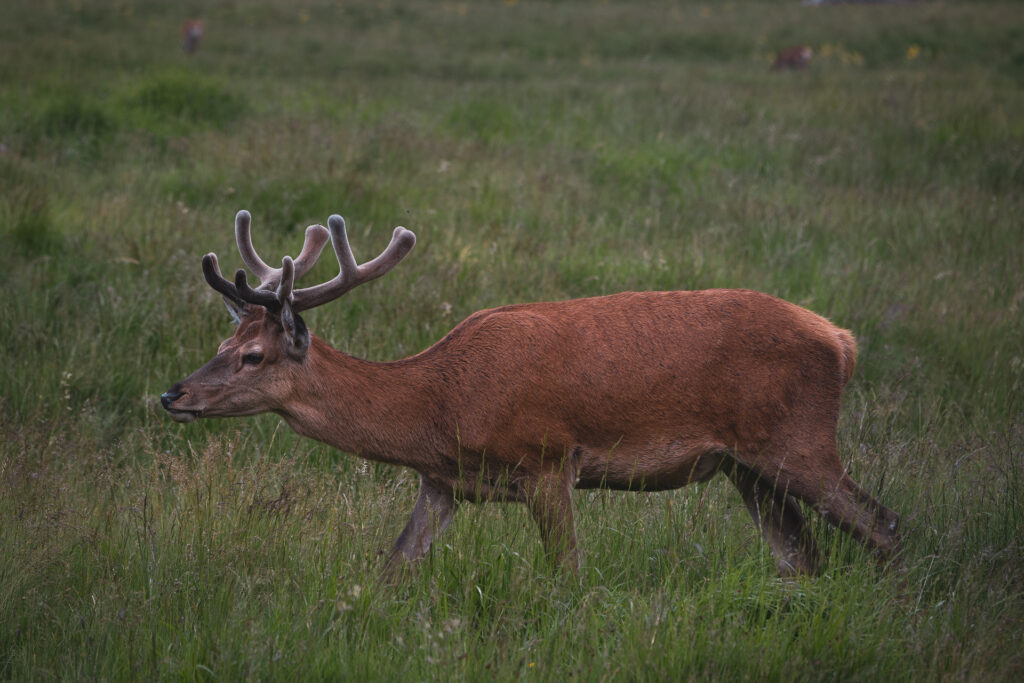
[{"x": 253, "y": 372}]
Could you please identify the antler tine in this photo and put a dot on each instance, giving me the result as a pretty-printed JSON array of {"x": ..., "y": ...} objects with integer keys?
[
  {"x": 288, "y": 272},
  {"x": 343, "y": 250},
  {"x": 316, "y": 239},
  {"x": 260, "y": 297},
  {"x": 243, "y": 236},
  {"x": 211, "y": 271},
  {"x": 352, "y": 275}
]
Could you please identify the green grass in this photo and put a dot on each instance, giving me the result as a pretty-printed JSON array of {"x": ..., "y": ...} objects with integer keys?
[{"x": 539, "y": 151}]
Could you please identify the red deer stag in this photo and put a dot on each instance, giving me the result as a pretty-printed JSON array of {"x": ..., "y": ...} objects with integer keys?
[{"x": 634, "y": 391}]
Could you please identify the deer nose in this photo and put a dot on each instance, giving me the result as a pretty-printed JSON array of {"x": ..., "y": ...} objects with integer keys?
[{"x": 169, "y": 397}]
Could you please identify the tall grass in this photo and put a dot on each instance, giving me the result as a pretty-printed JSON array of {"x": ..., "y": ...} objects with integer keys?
[{"x": 539, "y": 151}]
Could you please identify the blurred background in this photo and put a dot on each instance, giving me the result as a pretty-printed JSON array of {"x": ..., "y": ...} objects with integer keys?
[{"x": 863, "y": 160}]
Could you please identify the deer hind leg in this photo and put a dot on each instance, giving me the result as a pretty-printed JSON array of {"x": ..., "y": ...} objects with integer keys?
[
  {"x": 432, "y": 513},
  {"x": 777, "y": 516}
]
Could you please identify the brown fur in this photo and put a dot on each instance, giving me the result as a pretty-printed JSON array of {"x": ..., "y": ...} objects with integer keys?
[{"x": 640, "y": 390}]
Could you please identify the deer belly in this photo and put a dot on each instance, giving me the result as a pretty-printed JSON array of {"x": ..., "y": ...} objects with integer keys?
[{"x": 655, "y": 467}]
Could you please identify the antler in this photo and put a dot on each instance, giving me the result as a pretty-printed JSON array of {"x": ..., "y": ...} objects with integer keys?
[{"x": 276, "y": 284}]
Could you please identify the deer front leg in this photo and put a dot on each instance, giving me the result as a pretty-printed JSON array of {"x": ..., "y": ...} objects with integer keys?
[
  {"x": 430, "y": 516},
  {"x": 550, "y": 503}
]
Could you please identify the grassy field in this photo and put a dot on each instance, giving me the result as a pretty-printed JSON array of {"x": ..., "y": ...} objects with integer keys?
[{"x": 539, "y": 151}]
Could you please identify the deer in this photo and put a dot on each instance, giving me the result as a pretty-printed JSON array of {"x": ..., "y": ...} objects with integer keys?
[
  {"x": 523, "y": 403},
  {"x": 793, "y": 57},
  {"x": 191, "y": 34}
]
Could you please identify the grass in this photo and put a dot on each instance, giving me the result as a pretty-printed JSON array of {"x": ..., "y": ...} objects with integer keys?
[{"x": 539, "y": 151}]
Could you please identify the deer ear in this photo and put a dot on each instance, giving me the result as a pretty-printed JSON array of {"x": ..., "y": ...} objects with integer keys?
[
  {"x": 295, "y": 332},
  {"x": 235, "y": 309}
]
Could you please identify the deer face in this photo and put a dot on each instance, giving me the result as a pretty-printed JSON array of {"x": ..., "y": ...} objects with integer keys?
[{"x": 253, "y": 372}]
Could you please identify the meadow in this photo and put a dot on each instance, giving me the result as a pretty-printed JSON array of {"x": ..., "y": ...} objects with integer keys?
[{"x": 540, "y": 151}]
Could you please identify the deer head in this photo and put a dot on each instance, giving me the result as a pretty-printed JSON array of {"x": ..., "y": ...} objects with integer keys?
[{"x": 256, "y": 369}]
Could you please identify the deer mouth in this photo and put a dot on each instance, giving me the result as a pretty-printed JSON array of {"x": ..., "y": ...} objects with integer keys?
[
  {"x": 182, "y": 415},
  {"x": 177, "y": 414}
]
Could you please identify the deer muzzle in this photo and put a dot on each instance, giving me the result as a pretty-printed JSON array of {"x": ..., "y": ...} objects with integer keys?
[{"x": 167, "y": 400}]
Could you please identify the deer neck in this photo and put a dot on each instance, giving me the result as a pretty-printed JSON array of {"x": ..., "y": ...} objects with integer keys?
[{"x": 361, "y": 407}]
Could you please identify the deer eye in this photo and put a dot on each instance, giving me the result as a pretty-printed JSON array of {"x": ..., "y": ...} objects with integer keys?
[{"x": 252, "y": 358}]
